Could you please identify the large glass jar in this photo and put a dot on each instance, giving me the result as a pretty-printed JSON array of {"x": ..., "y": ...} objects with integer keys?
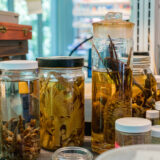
[
  {"x": 61, "y": 102},
  {"x": 19, "y": 88},
  {"x": 111, "y": 78},
  {"x": 144, "y": 85}
]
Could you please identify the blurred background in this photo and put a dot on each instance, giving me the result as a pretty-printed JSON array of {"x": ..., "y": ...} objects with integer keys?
[{"x": 63, "y": 23}]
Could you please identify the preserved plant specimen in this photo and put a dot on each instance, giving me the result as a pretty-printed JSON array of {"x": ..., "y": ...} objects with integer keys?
[
  {"x": 144, "y": 94},
  {"x": 111, "y": 98},
  {"x": 62, "y": 111},
  {"x": 19, "y": 107},
  {"x": 21, "y": 142}
]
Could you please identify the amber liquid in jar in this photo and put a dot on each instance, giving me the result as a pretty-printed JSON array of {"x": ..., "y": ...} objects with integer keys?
[
  {"x": 144, "y": 94},
  {"x": 62, "y": 111},
  {"x": 108, "y": 104}
]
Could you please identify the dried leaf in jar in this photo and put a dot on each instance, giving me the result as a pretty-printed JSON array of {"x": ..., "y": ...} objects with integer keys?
[{"x": 62, "y": 111}]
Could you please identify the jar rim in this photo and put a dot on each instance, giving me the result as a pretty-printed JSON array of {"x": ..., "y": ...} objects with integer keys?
[
  {"x": 81, "y": 150},
  {"x": 133, "y": 125},
  {"x": 60, "y": 62},
  {"x": 18, "y": 65}
]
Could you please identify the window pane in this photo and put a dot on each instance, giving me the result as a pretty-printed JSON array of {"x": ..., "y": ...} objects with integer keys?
[
  {"x": 46, "y": 28},
  {"x": 3, "y": 5},
  {"x": 24, "y": 18},
  {"x": 21, "y": 8}
]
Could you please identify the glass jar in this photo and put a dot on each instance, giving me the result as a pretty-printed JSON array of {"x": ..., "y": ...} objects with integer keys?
[
  {"x": 157, "y": 77},
  {"x": 61, "y": 102},
  {"x": 155, "y": 134},
  {"x": 111, "y": 78},
  {"x": 72, "y": 153},
  {"x": 130, "y": 131},
  {"x": 153, "y": 116},
  {"x": 20, "y": 136},
  {"x": 144, "y": 85}
]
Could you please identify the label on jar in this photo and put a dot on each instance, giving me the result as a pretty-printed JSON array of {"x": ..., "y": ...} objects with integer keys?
[{"x": 147, "y": 155}]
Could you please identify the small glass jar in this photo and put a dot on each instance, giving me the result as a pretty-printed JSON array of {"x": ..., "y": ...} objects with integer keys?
[
  {"x": 61, "y": 102},
  {"x": 153, "y": 116},
  {"x": 72, "y": 153},
  {"x": 20, "y": 136},
  {"x": 155, "y": 134},
  {"x": 130, "y": 131}
]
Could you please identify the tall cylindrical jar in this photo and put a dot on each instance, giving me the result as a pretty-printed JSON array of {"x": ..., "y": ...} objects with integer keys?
[
  {"x": 61, "y": 102},
  {"x": 19, "y": 88},
  {"x": 111, "y": 78}
]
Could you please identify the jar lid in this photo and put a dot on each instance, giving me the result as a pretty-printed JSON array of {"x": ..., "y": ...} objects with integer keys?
[
  {"x": 157, "y": 105},
  {"x": 155, "y": 131},
  {"x": 18, "y": 65},
  {"x": 133, "y": 125},
  {"x": 157, "y": 77},
  {"x": 72, "y": 153},
  {"x": 152, "y": 114},
  {"x": 140, "y": 53},
  {"x": 114, "y": 19},
  {"x": 60, "y": 61}
]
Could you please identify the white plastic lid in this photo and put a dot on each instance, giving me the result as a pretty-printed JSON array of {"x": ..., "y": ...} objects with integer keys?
[
  {"x": 18, "y": 65},
  {"x": 157, "y": 77},
  {"x": 152, "y": 114},
  {"x": 157, "y": 105},
  {"x": 133, "y": 125},
  {"x": 156, "y": 131}
]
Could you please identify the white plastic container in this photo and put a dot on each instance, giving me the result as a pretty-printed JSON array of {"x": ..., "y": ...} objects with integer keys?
[
  {"x": 130, "y": 131},
  {"x": 135, "y": 152},
  {"x": 155, "y": 134},
  {"x": 153, "y": 116}
]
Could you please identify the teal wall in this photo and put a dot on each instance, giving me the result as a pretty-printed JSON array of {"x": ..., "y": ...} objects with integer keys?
[{"x": 61, "y": 26}]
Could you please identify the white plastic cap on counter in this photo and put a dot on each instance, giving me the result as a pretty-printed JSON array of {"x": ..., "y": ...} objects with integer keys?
[
  {"x": 18, "y": 65},
  {"x": 156, "y": 131},
  {"x": 157, "y": 105},
  {"x": 157, "y": 77},
  {"x": 152, "y": 114},
  {"x": 133, "y": 125}
]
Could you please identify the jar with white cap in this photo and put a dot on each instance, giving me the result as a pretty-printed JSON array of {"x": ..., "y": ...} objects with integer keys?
[
  {"x": 155, "y": 134},
  {"x": 19, "y": 88},
  {"x": 130, "y": 131},
  {"x": 153, "y": 116}
]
